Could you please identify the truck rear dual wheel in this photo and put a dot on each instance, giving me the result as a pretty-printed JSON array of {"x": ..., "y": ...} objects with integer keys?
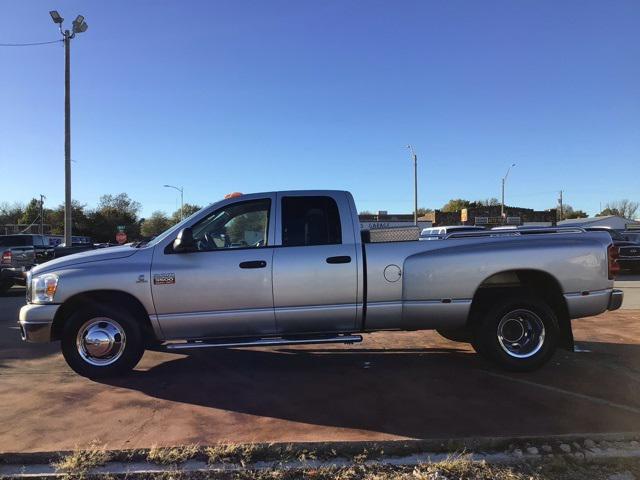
[
  {"x": 102, "y": 341},
  {"x": 519, "y": 334}
]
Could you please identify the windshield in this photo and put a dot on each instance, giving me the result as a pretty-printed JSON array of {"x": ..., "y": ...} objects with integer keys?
[
  {"x": 15, "y": 240},
  {"x": 616, "y": 235}
]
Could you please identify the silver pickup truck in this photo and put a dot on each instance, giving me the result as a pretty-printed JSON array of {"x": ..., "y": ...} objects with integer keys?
[{"x": 294, "y": 267}]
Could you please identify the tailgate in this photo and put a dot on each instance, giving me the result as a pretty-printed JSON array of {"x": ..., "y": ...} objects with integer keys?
[{"x": 22, "y": 257}]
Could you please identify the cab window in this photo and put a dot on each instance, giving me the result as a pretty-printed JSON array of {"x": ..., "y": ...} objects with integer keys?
[
  {"x": 239, "y": 225},
  {"x": 310, "y": 221}
]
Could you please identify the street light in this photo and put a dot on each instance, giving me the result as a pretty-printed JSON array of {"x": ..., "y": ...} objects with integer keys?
[
  {"x": 415, "y": 184},
  {"x": 504, "y": 179},
  {"x": 181, "y": 190},
  {"x": 55, "y": 16},
  {"x": 79, "y": 26}
]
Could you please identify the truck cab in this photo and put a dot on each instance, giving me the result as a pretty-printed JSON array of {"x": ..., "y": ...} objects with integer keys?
[{"x": 281, "y": 261}]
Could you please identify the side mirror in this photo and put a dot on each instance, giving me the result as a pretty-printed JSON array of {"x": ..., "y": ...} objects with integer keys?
[{"x": 184, "y": 241}]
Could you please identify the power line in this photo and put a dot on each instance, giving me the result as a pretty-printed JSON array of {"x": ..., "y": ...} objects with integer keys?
[{"x": 28, "y": 44}]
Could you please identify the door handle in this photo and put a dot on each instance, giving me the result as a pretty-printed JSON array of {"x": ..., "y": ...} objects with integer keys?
[
  {"x": 341, "y": 259},
  {"x": 253, "y": 264}
]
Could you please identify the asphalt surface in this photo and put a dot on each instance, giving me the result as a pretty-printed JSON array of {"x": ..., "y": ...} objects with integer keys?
[{"x": 391, "y": 386}]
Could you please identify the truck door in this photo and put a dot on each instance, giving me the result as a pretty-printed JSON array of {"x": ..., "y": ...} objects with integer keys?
[
  {"x": 223, "y": 289},
  {"x": 315, "y": 268}
]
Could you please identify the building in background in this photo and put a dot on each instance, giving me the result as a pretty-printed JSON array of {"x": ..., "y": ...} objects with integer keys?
[
  {"x": 609, "y": 221},
  {"x": 382, "y": 219},
  {"x": 489, "y": 216}
]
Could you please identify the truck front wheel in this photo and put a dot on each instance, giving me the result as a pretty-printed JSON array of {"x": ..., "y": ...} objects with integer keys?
[
  {"x": 101, "y": 341},
  {"x": 519, "y": 334}
]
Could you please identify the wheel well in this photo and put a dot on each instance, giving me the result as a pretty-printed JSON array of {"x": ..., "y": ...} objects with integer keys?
[
  {"x": 103, "y": 297},
  {"x": 533, "y": 282}
]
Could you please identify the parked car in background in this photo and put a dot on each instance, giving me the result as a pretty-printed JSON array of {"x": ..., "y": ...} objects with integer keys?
[
  {"x": 281, "y": 268},
  {"x": 629, "y": 258},
  {"x": 19, "y": 253},
  {"x": 438, "y": 233}
]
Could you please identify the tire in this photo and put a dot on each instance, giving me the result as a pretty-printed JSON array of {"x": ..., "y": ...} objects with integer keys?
[
  {"x": 5, "y": 287},
  {"x": 117, "y": 343},
  {"x": 519, "y": 334},
  {"x": 460, "y": 335}
]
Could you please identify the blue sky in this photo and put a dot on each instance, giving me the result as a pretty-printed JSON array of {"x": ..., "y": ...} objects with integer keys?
[{"x": 224, "y": 96}]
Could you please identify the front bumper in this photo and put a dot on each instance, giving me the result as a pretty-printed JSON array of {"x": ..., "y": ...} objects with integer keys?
[
  {"x": 15, "y": 274},
  {"x": 36, "y": 321}
]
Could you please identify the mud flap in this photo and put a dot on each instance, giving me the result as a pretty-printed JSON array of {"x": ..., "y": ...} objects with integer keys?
[{"x": 566, "y": 335}]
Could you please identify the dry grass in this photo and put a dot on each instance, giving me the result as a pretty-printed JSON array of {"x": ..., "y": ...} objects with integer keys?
[
  {"x": 242, "y": 453},
  {"x": 463, "y": 468},
  {"x": 453, "y": 468},
  {"x": 80, "y": 461},
  {"x": 172, "y": 455}
]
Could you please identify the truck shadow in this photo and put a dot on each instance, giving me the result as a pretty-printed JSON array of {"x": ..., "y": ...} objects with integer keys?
[{"x": 410, "y": 392}]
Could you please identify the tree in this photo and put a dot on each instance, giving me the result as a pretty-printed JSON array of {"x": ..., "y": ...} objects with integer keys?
[
  {"x": 422, "y": 211},
  {"x": 622, "y": 208},
  {"x": 569, "y": 212},
  {"x": 114, "y": 211},
  {"x": 487, "y": 202},
  {"x": 81, "y": 223},
  {"x": 31, "y": 212},
  {"x": 157, "y": 223},
  {"x": 10, "y": 214},
  {"x": 188, "y": 209},
  {"x": 455, "y": 205}
]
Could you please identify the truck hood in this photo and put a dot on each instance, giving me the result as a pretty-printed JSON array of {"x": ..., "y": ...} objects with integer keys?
[{"x": 99, "y": 255}]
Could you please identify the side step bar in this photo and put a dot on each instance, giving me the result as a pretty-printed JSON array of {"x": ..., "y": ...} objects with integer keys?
[{"x": 263, "y": 342}]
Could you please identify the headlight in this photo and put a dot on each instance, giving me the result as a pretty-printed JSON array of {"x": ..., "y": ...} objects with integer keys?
[{"x": 43, "y": 288}]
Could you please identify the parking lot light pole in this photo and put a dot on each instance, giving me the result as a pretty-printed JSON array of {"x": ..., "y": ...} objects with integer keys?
[
  {"x": 79, "y": 26},
  {"x": 415, "y": 184},
  {"x": 504, "y": 179},
  {"x": 181, "y": 190}
]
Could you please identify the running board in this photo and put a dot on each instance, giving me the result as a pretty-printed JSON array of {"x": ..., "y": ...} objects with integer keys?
[{"x": 264, "y": 342}]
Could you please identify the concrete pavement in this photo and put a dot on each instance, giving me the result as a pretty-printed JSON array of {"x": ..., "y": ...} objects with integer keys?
[
  {"x": 630, "y": 285},
  {"x": 392, "y": 386}
]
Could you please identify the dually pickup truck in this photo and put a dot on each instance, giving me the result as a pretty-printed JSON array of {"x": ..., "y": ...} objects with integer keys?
[{"x": 294, "y": 267}]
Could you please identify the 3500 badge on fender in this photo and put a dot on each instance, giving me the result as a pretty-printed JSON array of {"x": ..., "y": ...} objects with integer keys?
[{"x": 164, "y": 278}]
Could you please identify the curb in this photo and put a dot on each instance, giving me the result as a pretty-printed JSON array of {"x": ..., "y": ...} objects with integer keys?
[{"x": 593, "y": 448}]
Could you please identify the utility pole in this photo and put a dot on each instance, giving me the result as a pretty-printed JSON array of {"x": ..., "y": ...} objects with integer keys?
[
  {"x": 415, "y": 184},
  {"x": 561, "y": 206},
  {"x": 42, "y": 197},
  {"x": 504, "y": 180},
  {"x": 79, "y": 26}
]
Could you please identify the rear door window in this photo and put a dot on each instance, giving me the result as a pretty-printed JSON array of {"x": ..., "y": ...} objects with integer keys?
[{"x": 310, "y": 221}]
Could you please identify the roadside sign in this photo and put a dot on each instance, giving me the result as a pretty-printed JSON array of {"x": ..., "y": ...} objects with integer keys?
[{"x": 121, "y": 238}]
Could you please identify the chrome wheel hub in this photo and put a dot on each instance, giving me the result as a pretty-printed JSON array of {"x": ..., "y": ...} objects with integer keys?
[
  {"x": 101, "y": 341},
  {"x": 521, "y": 333}
]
